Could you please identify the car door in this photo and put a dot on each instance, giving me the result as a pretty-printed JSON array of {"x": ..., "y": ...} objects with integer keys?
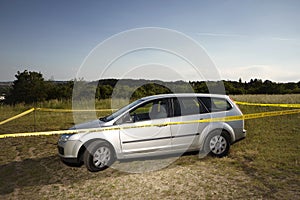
[
  {"x": 148, "y": 134},
  {"x": 186, "y": 136}
]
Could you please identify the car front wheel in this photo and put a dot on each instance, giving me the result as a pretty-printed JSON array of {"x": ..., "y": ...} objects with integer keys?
[{"x": 98, "y": 156}]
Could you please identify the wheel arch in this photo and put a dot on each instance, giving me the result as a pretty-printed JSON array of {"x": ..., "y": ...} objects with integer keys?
[
  {"x": 213, "y": 127},
  {"x": 87, "y": 143}
]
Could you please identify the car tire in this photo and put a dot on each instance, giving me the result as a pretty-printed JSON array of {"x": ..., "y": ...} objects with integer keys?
[
  {"x": 217, "y": 143},
  {"x": 98, "y": 156}
]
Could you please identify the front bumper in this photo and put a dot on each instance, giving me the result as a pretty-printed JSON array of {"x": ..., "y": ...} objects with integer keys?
[
  {"x": 69, "y": 149},
  {"x": 71, "y": 161}
]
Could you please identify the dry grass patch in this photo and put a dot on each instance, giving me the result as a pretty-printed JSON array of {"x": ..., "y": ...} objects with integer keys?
[{"x": 263, "y": 166}]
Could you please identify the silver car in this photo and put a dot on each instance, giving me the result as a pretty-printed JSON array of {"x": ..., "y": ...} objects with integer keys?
[{"x": 153, "y": 126}]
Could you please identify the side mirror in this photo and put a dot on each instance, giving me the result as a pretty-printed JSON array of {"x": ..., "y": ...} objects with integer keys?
[
  {"x": 135, "y": 117},
  {"x": 127, "y": 118}
]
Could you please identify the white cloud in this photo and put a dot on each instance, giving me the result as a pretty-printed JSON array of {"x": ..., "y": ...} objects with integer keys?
[
  {"x": 222, "y": 34},
  {"x": 234, "y": 35},
  {"x": 264, "y": 72}
]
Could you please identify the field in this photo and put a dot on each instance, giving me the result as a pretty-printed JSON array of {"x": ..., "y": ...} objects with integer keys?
[{"x": 263, "y": 166}]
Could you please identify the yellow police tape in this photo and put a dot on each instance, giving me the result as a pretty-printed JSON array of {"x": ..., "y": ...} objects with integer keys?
[
  {"x": 269, "y": 104},
  {"x": 70, "y": 110},
  {"x": 52, "y": 110},
  {"x": 17, "y": 116},
  {"x": 110, "y": 110},
  {"x": 228, "y": 118}
]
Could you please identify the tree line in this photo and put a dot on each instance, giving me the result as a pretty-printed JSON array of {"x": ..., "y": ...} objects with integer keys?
[{"x": 30, "y": 87}]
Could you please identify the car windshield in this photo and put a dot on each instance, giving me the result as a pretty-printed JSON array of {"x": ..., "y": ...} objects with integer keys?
[{"x": 120, "y": 111}]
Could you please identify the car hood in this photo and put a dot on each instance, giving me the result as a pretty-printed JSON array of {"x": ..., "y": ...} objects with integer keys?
[{"x": 91, "y": 124}]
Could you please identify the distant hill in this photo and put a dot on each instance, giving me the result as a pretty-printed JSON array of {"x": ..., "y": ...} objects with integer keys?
[
  {"x": 8, "y": 83},
  {"x": 140, "y": 87},
  {"x": 4, "y": 88}
]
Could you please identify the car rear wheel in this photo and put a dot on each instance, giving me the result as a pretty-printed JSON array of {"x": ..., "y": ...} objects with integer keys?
[
  {"x": 98, "y": 156},
  {"x": 217, "y": 144}
]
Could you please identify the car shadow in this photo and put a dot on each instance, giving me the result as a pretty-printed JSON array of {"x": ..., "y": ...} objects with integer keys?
[
  {"x": 45, "y": 171},
  {"x": 50, "y": 170}
]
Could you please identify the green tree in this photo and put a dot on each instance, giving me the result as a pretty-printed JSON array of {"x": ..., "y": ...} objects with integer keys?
[
  {"x": 57, "y": 90},
  {"x": 104, "y": 91},
  {"x": 28, "y": 88}
]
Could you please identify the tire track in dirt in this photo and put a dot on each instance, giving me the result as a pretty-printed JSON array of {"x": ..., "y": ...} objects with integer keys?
[{"x": 18, "y": 168}]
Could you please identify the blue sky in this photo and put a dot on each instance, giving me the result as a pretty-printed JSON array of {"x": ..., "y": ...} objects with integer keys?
[{"x": 245, "y": 39}]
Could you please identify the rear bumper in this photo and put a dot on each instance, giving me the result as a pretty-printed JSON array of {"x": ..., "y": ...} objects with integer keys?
[
  {"x": 244, "y": 133},
  {"x": 242, "y": 137}
]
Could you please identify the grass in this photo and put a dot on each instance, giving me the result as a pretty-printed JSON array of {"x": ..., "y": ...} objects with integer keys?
[
  {"x": 258, "y": 98},
  {"x": 263, "y": 166}
]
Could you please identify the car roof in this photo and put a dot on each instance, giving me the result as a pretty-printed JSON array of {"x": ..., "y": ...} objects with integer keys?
[{"x": 183, "y": 95}]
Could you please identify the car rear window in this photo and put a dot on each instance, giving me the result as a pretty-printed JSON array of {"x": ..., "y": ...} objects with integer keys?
[
  {"x": 188, "y": 106},
  {"x": 215, "y": 104}
]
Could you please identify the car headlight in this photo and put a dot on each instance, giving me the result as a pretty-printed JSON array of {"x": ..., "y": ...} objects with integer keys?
[{"x": 64, "y": 137}]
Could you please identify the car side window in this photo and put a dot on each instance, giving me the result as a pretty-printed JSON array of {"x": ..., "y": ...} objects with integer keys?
[
  {"x": 215, "y": 104},
  {"x": 156, "y": 109},
  {"x": 188, "y": 106}
]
